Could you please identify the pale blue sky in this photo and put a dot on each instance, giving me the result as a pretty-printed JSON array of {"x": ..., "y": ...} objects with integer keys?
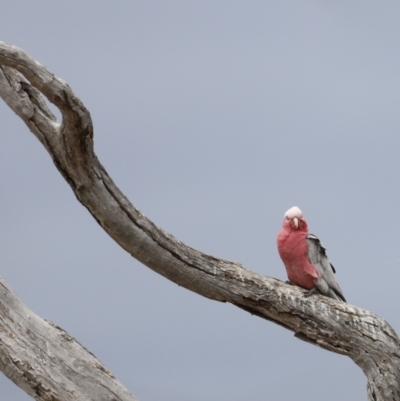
[{"x": 214, "y": 118}]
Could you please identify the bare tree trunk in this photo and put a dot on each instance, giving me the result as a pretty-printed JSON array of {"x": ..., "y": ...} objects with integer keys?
[{"x": 57, "y": 362}]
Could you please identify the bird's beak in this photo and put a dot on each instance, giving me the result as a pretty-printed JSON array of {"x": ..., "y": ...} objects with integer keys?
[{"x": 296, "y": 222}]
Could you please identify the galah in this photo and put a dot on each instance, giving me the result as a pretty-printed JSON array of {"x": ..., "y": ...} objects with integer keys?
[{"x": 304, "y": 256}]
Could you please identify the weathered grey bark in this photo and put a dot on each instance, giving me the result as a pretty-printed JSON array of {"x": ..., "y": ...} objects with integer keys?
[
  {"x": 332, "y": 325},
  {"x": 46, "y": 362}
]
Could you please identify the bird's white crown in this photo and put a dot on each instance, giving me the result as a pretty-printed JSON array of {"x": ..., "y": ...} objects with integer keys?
[{"x": 293, "y": 212}]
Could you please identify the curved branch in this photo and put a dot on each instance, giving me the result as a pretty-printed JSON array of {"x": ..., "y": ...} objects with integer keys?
[{"x": 333, "y": 325}]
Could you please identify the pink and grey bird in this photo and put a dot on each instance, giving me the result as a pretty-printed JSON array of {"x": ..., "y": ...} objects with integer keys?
[{"x": 304, "y": 256}]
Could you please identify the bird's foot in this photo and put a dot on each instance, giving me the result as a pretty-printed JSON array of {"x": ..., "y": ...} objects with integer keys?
[{"x": 311, "y": 292}]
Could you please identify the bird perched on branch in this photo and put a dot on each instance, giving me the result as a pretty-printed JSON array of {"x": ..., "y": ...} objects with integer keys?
[{"x": 304, "y": 256}]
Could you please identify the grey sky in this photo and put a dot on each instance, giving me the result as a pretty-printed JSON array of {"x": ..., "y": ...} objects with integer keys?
[{"x": 214, "y": 118}]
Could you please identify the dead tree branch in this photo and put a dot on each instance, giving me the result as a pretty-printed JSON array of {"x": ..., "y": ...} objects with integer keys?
[{"x": 335, "y": 326}]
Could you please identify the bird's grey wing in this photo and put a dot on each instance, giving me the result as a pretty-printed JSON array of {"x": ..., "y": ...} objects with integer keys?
[{"x": 318, "y": 257}]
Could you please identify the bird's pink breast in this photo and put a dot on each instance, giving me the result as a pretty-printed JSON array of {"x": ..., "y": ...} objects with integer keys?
[{"x": 293, "y": 247}]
